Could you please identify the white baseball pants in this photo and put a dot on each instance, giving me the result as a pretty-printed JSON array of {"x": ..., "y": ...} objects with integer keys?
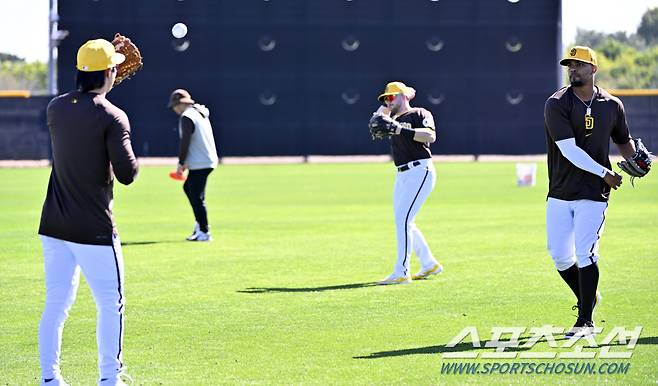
[
  {"x": 573, "y": 230},
  {"x": 102, "y": 266},
  {"x": 412, "y": 187}
]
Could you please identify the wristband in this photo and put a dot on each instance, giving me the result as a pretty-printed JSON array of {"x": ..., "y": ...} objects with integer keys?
[{"x": 407, "y": 133}]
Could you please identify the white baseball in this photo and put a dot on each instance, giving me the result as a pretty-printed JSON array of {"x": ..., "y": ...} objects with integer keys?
[{"x": 179, "y": 30}]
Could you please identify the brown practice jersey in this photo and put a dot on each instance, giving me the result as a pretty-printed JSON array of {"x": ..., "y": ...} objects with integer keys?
[
  {"x": 405, "y": 149},
  {"x": 565, "y": 117},
  {"x": 91, "y": 144}
]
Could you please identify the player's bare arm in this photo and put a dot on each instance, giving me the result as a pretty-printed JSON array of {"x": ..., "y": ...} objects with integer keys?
[
  {"x": 383, "y": 110},
  {"x": 627, "y": 149},
  {"x": 613, "y": 179},
  {"x": 422, "y": 134}
]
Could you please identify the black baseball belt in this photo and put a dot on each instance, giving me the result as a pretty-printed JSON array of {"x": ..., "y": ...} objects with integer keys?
[{"x": 406, "y": 167}]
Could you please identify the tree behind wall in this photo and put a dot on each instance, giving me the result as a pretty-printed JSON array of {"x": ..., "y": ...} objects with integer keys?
[
  {"x": 626, "y": 61},
  {"x": 648, "y": 28},
  {"x": 17, "y": 74}
]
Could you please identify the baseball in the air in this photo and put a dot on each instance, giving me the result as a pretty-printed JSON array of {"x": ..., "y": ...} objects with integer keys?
[{"x": 179, "y": 30}]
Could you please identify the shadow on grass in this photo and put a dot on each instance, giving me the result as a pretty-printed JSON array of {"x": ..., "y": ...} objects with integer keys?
[
  {"x": 468, "y": 346},
  {"x": 259, "y": 290},
  {"x": 422, "y": 350},
  {"x": 647, "y": 340},
  {"x": 129, "y": 243}
]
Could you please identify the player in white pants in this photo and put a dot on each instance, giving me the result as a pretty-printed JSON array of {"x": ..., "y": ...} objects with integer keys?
[
  {"x": 102, "y": 267},
  {"x": 91, "y": 148},
  {"x": 412, "y": 187},
  {"x": 573, "y": 231},
  {"x": 415, "y": 179},
  {"x": 580, "y": 120}
]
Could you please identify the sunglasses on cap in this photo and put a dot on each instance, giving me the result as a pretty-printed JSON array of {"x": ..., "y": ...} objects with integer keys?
[{"x": 389, "y": 98}]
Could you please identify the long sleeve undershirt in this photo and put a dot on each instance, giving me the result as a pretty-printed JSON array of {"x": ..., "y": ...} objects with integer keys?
[{"x": 580, "y": 158}]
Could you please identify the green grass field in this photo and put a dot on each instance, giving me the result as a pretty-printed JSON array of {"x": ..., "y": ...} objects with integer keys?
[{"x": 283, "y": 294}]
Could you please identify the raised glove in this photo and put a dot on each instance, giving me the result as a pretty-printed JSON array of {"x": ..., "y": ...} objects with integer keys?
[
  {"x": 382, "y": 126},
  {"x": 639, "y": 164},
  {"x": 133, "y": 62}
]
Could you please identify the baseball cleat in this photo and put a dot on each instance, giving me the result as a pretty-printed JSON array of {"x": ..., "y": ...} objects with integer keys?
[
  {"x": 112, "y": 382},
  {"x": 57, "y": 381},
  {"x": 199, "y": 236},
  {"x": 394, "y": 279},
  {"x": 194, "y": 231},
  {"x": 581, "y": 328},
  {"x": 121, "y": 379},
  {"x": 425, "y": 273}
]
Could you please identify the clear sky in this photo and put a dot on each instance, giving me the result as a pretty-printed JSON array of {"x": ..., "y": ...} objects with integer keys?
[
  {"x": 602, "y": 15},
  {"x": 24, "y": 23},
  {"x": 24, "y": 28}
]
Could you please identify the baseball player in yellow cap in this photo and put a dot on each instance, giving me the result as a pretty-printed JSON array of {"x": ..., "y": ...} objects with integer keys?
[
  {"x": 415, "y": 179},
  {"x": 580, "y": 119},
  {"x": 91, "y": 148}
]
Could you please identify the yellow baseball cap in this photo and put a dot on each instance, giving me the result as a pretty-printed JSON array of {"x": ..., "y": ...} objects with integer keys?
[
  {"x": 98, "y": 55},
  {"x": 580, "y": 54},
  {"x": 394, "y": 88}
]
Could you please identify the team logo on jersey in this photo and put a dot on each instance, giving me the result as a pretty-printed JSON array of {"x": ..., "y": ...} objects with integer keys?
[
  {"x": 428, "y": 122},
  {"x": 589, "y": 125}
]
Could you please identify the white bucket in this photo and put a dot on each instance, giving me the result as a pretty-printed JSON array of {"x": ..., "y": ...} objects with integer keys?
[{"x": 526, "y": 174}]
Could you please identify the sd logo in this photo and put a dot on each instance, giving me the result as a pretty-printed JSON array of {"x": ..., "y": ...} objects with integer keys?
[{"x": 589, "y": 125}]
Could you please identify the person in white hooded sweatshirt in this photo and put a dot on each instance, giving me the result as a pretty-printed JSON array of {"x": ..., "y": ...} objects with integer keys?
[{"x": 197, "y": 154}]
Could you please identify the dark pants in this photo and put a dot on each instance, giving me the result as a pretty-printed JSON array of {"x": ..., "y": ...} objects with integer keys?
[{"x": 195, "y": 190}]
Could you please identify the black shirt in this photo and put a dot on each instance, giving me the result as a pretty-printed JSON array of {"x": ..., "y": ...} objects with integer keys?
[
  {"x": 91, "y": 145},
  {"x": 404, "y": 149},
  {"x": 564, "y": 117}
]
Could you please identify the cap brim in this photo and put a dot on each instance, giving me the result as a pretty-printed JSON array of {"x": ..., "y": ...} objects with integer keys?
[
  {"x": 410, "y": 93},
  {"x": 188, "y": 101},
  {"x": 565, "y": 61},
  {"x": 379, "y": 98}
]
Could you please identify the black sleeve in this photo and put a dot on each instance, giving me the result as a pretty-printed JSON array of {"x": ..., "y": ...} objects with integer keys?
[
  {"x": 620, "y": 133},
  {"x": 187, "y": 128},
  {"x": 408, "y": 133},
  {"x": 557, "y": 121},
  {"x": 120, "y": 151}
]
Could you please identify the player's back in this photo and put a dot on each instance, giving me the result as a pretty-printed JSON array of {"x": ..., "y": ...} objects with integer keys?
[{"x": 86, "y": 131}]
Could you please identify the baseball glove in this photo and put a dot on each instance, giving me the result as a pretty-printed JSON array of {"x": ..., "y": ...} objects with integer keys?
[
  {"x": 639, "y": 164},
  {"x": 133, "y": 62},
  {"x": 382, "y": 126}
]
